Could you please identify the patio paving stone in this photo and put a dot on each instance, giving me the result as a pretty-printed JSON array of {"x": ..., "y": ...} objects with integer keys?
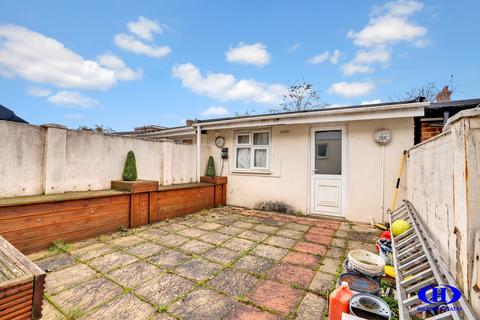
[
  {"x": 169, "y": 258},
  {"x": 221, "y": 255},
  {"x": 322, "y": 282},
  {"x": 285, "y": 272},
  {"x": 203, "y": 304},
  {"x": 153, "y": 234},
  {"x": 338, "y": 242},
  {"x": 88, "y": 295},
  {"x": 134, "y": 274},
  {"x": 175, "y": 227},
  {"x": 312, "y": 248},
  {"x": 146, "y": 249},
  {"x": 233, "y": 231},
  {"x": 322, "y": 231},
  {"x": 172, "y": 240},
  {"x": 125, "y": 242},
  {"x": 334, "y": 252},
  {"x": 68, "y": 277},
  {"x": 209, "y": 226},
  {"x": 164, "y": 289},
  {"x": 214, "y": 238},
  {"x": 270, "y": 252},
  {"x": 192, "y": 232},
  {"x": 125, "y": 307},
  {"x": 266, "y": 228},
  {"x": 49, "y": 312},
  {"x": 238, "y": 244},
  {"x": 302, "y": 259},
  {"x": 275, "y": 296},
  {"x": 92, "y": 251},
  {"x": 111, "y": 261},
  {"x": 253, "y": 264},
  {"x": 341, "y": 234},
  {"x": 233, "y": 282},
  {"x": 330, "y": 265},
  {"x": 196, "y": 246},
  {"x": 243, "y": 312},
  {"x": 197, "y": 269},
  {"x": 318, "y": 238},
  {"x": 312, "y": 307},
  {"x": 282, "y": 242},
  {"x": 297, "y": 226},
  {"x": 243, "y": 225},
  {"x": 289, "y": 233},
  {"x": 56, "y": 262},
  {"x": 253, "y": 235}
]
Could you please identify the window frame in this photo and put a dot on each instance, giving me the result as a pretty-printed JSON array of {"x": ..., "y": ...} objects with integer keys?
[{"x": 252, "y": 148}]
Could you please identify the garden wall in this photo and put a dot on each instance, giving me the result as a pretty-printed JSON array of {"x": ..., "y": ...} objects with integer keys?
[
  {"x": 443, "y": 183},
  {"x": 51, "y": 159}
]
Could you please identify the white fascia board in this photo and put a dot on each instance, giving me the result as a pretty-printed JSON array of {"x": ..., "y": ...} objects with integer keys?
[{"x": 323, "y": 117}]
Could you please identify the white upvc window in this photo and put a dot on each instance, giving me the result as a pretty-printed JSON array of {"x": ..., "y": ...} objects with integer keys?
[{"x": 252, "y": 150}]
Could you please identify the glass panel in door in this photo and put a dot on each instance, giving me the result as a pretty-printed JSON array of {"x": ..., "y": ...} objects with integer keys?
[{"x": 328, "y": 152}]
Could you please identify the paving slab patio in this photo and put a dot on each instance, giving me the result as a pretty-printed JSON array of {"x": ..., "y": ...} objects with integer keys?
[{"x": 224, "y": 263}]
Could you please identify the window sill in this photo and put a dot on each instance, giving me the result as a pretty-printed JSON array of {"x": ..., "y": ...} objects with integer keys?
[{"x": 259, "y": 172}]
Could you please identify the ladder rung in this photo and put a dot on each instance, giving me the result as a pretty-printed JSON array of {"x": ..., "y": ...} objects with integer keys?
[
  {"x": 442, "y": 316},
  {"x": 404, "y": 235},
  {"x": 405, "y": 241},
  {"x": 408, "y": 259},
  {"x": 416, "y": 277},
  {"x": 420, "y": 285},
  {"x": 417, "y": 269},
  {"x": 411, "y": 249}
]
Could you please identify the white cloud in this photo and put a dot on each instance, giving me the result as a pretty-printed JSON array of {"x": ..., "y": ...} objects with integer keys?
[
  {"x": 144, "y": 28},
  {"x": 350, "y": 68},
  {"x": 226, "y": 87},
  {"x": 132, "y": 44},
  {"x": 38, "y": 92},
  {"x": 41, "y": 59},
  {"x": 390, "y": 24},
  {"x": 74, "y": 116},
  {"x": 319, "y": 58},
  {"x": 255, "y": 54},
  {"x": 116, "y": 64},
  {"x": 324, "y": 56},
  {"x": 351, "y": 89},
  {"x": 374, "y": 101},
  {"x": 215, "y": 111},
  {"x": 335, "y": 56},
  {"x": 72, "y": 99},
  {"x": 294, "y": 47},
  {"x": 364, "y": 59}
]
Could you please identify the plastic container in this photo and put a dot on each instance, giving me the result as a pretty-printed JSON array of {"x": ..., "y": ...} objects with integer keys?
[
  {"x": 338, "y": 302},
  {"x": 369, "y": 307},
  {"x": 359, "y": 283},
  {"x": 366, "y": 262},
  {"x": 347, "y": 269}
]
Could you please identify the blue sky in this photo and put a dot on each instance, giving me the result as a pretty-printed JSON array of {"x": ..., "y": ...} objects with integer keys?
[{"x": 125, "y": 64}]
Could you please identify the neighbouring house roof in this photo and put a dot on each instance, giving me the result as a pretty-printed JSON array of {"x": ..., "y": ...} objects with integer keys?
[{"x": 8, "y": 115}]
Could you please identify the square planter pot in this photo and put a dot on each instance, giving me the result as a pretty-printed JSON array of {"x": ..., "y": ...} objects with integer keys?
[{"x": 135, "y": 186}]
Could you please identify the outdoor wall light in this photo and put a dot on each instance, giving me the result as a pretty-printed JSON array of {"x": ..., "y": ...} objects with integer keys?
[{"x": 383, "y": 136}]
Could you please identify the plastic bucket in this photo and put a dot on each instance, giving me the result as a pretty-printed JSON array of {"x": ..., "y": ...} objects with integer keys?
[
  {"x": 359, "y": 283},
  {"x": 366, "y": 262}
]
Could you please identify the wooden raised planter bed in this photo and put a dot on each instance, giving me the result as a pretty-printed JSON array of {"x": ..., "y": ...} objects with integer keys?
[
  {"x": 21, "y": 285},
  {"x": 136, "y": 186}
]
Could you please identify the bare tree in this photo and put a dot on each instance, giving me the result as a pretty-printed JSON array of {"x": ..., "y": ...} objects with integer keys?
[
  {"x": 428, "y": 90},
  {"x": 300, "y": 96},
  {"x": 99, "y": 128}
]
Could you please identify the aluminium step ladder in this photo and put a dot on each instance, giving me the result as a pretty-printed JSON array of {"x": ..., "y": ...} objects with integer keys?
[{"x": 417, "y": 265}]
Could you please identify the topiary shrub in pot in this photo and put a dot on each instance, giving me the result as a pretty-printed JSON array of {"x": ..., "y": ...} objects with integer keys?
[
  {"x": 210, "y": 168},
  {"x": 130, "y": 170}
]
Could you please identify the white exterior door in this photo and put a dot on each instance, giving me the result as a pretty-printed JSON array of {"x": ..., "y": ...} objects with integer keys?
[{"x": 327, "y": 191}]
